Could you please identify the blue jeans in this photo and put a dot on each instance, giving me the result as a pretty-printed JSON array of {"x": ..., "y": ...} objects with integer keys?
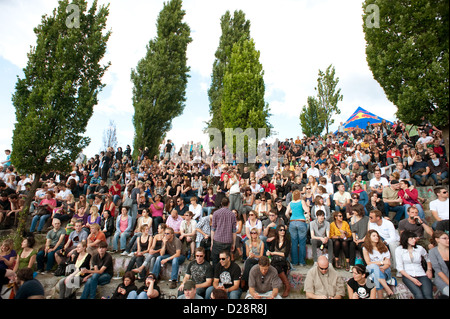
[
  {"x": 423, "y": 292},
  {"x": 41, "y": 219},
  {"x": 444, "y": 175},
  {"x": 40, "y": 259},
  {"x": 176, "y": 262},
  {"x": 399, "y": 211},
  {"x": 298, "y": 231},
  {"x": 90, "y": 288},
  {"x": 419, "y": 208},
  {"x": 134, "y": 295},
  {"x": 235, "y": 294},
  {"x": 123, "y": 239},
  {"x": 375, "y": 273}
]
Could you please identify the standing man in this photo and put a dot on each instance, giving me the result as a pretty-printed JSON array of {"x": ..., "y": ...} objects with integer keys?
[
  {"x": 100, "y": 273},
  {"x": 223, "y": 231}
]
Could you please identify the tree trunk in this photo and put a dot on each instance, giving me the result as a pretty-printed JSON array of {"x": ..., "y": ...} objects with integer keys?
[{"x": 24, "y": 214}]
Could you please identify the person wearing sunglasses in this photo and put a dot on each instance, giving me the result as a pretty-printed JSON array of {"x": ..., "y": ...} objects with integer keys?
[
  {"x": 227, "y": 276},
  {"x": 279, "y": 251},
  {"x": 172, "y": 251},
  {"x": 439, "y": 207},
  {"x": 198, "y": 271},
  {"x": 323, "y": 281}
]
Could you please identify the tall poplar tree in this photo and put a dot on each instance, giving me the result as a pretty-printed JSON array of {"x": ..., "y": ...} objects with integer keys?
[
  {"x": 243, "y": 105},
  {"x": 55, "y": 99},
  {"x": 234, "y": 28},
  {"x": 312, "y": 118},
  {"x": 328, "y": 95},
  {"x": 160, "y": 79}
]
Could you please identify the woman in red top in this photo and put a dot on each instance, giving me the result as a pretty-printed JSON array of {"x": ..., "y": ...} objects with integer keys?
[
  {"x": 409, "y": 194},
  {"x": 115, "y": 191}
]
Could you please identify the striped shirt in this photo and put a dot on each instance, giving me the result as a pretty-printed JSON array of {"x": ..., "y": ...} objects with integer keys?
[{"x": 224, "y": 225}]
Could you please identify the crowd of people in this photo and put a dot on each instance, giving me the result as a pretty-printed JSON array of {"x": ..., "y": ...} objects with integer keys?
[{"x": 352, "y": 196}]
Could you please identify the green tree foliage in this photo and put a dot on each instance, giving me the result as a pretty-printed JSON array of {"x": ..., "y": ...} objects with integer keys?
[
  {"x": 160, "y": 79},
  {"x": 408, "y": 53},
  {"x": 312, "y": 118},
  {"x": 328, "y": 95},
  {"x": 243, "y": 104},
  {"x": 233, "y": 30},
  {"x": 55, "y": 99}
]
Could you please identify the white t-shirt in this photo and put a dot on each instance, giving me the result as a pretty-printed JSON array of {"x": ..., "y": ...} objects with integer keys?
[
  {"x": 441, "y": 207},
  {"x": 386, "y": 230},
  {"x": 378, "y": 183}
]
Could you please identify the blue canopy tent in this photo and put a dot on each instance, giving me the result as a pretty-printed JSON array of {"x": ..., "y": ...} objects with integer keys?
[{"x": 360, "y": 118}]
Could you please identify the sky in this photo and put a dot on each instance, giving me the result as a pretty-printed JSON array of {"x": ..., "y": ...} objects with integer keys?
[{"x": 296, "y": 39}]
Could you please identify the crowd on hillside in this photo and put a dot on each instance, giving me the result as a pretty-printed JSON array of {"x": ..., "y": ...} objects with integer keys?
[{"x": 352, "y": 196}]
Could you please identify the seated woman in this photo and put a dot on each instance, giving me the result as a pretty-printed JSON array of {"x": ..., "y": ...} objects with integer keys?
[
  {"x": 378, "y": 260},
  {"x": 43, "y": 212},
  {"x": 359, "y": 286},
  {"x": 363, "y": 196},
  {"x": 7, "y": 254},
  {"x": 150, "y": 290},
  {"x": 125, "y": 287},
  {"x": 279, "y": 251},
  {"x": 341, "y": 235},
  {"x": 408, "y": 261},
  {"x": 358, "y": 224},
  {"x": 26, "y": 257},
  {"x": 80, "y": 259},
  {"x": 123, "y": 230},
  {"x": 439, "y": 261},
  {"x": 254, "y": 251}
]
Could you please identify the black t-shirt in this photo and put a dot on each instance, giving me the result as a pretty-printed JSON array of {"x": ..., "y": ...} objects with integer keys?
[
  {"x": 199, "y": 272},
  {"x": 106, "y": 261},
  {"x": 227, "y": 276},
  {"x": 362, "y": 291}
]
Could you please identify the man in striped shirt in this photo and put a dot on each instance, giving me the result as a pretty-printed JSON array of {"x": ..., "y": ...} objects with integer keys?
[{"x": 223, "y": 231}]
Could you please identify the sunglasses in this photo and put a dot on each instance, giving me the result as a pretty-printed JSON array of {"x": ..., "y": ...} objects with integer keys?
[
  {"x": 167, "y": 234},
  {"x": 282, "y": 229},
  {"x": 253, "y": 233},
  {"x": 199, "y": 256},
  {"x": 222, "y": 258},
  {"x": 323, "y": 268}
]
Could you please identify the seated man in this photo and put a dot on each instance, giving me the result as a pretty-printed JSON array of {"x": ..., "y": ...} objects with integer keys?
[
  {"x": 172, "y": 251},
  {"x": 54, "y": 242},
  {"x": 189, "y": 291},
  {"x": 198, "y": 271},
  {"x": 323, "y": 282},
  {"x": 440, "y": 206},
  {"x": 420, "y": 170},
  {"x": 392, "y": 202},
  {"x": 320, "y": 235},
  {"x": 438, "y": 169},
  {"x": 386, "y": 230},
  {"x": 100, "y": 273},
  {"x": 377, "y": 183},
  {"x": 263, "y": 281},
  {"x": 416, "y": 225},
  {"x": 341, "y": 198},
  {"x": 227, "y": 276}
]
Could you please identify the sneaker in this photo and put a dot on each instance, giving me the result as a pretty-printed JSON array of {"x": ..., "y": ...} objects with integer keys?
[
  {"x": 124, "y": 253},
  {"x": 130, "y": 254},
  {"x": 173, "y": 285}
]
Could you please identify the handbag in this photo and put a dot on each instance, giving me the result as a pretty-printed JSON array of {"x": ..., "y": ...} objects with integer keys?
[{"x": 128, "y": 202}]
